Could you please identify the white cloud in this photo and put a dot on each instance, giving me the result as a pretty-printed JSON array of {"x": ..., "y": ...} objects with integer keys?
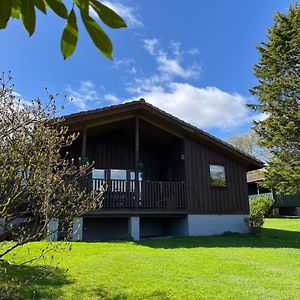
[
  {"x": 143, "y": 85},
  {"x": 260, "y": 117},
  {"x": 205, "y": 108},
  {"x": 125, "y": 64},
  {"x": 82, "y": 95},
  {"x": 170, "y": 66},
  {"x": 193, "y": 51},
  {"x": 176, "y": 48},
  {"x": 128, "y": 13},
  {"x": 150, "y": 45},
  {"x": 117, "y": 63},
  {"x": 112, "y": 98},
  {"x": 132, "y": 70}
]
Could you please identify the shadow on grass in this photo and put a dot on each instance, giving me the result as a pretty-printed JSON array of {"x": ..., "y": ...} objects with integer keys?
[
  {"x": 108, "y": 295},
  {"x": 268, "y": 238},
  {"x": 30, "y": 282}
]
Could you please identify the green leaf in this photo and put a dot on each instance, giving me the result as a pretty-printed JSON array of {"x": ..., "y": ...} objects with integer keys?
[
  {"x": 5, "y": 12},
  {"x": 83, "y": 6},
  {"x": 40, "y": 4},
  {"x": 97, "y": 34},
  {"x": 16, "y": 9},
  {"x": 58, "y": 7},
  {"x": 28, "y": 15},
  {"x": 107, "y": 15},
  {"x": 70, "y": 36}
]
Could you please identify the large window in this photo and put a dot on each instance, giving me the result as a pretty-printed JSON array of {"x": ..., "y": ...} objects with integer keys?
[{"x": 217, "y": 176}]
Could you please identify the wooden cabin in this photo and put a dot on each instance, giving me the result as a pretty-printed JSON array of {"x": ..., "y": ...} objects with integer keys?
[{"x": 162, "y": 176}]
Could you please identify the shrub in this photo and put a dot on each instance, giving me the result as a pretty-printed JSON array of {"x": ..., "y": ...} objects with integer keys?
[
  {"x": 259, "y": 207},
  {"x": 273, "y": 213}
]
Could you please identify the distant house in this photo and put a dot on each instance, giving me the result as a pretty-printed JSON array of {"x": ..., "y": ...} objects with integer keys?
[
  {"x": 163, "y": 176},
  {"x": 254, "y": 187},
  {"x": 288, "y": 205}
]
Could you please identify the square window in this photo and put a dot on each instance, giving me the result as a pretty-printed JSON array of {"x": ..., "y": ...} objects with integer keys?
[{"x": 217, "y": 176}]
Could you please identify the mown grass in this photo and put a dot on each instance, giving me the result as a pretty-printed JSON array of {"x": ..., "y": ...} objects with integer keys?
[{"x": 220, "y": 267}]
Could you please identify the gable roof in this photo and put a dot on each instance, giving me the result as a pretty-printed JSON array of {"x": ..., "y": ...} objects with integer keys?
[{"x": 152, "y": 113}]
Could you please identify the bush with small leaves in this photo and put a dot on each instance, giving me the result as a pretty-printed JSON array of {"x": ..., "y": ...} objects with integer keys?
[{"x": 259, "y": 207}]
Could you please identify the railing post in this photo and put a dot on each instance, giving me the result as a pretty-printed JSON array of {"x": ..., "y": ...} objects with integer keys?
[
  {"x": 137, "y": 150},
  {"x": 83, "y": 146}
]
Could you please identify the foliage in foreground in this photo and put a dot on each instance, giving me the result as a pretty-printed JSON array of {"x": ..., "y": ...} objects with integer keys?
[
  {"x": 278, "y": 92},
  {"x": 230, "y": 266},
  {"x": 37, "y": 183},
  {"x": 26, "y": 11},
  {"x": 259, "y": 207}
]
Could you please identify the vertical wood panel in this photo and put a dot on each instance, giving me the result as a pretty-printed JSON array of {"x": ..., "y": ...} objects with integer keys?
[{"x": 201, "y": 196}]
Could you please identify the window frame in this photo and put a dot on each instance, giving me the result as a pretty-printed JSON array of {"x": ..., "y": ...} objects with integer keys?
[
  {"x": 100, "y": 169},
  {"x": 225, "y": 187}
]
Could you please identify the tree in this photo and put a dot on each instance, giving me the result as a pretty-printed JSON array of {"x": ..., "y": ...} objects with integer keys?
[
  {"x": 249, "y": 143},
  {"x": 25, "y": 10},
  {"x": 278, "y": 92},
  {"x": 37, "y": 183}
]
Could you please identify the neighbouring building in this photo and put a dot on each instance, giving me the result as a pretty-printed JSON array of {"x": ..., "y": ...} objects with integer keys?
[{"x": 288, "y": 205}]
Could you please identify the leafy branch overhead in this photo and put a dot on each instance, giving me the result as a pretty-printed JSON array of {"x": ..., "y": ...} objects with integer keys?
[{"x": 25, "y": 10}]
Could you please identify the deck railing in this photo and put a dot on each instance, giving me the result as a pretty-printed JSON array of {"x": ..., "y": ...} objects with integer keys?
[
  {"x": 150, "y": 195},
  {"x": 251, "y": 197}
]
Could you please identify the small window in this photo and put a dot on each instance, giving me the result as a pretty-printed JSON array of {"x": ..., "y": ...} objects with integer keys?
[
  {"x": 118, "y": 174},
  {"x": 98, "y": 174},
  {"x": 217, "y": 176}
]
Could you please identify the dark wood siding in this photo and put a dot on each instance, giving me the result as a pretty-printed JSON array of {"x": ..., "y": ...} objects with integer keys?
[
  {"x": 171, "y": 163},
  {"x": 201, "y": 197},
  {"x": 116, "y": 151},
  {"x": 111, "y": 151}
]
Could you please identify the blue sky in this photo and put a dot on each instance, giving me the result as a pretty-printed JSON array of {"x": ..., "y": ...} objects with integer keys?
[{"x": 192, "y": 58}]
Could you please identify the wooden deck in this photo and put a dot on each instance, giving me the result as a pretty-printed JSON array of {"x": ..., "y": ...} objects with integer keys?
[{"x": 152, "y": 195}]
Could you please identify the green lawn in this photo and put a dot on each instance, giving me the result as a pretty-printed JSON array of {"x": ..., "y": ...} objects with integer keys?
[{"x": 220, "y": 267}]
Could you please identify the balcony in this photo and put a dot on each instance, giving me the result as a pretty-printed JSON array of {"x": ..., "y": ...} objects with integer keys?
[{"x": 122, "y": 194}]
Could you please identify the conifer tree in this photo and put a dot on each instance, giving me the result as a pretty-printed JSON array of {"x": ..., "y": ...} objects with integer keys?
[{"x": 278, "y": 93}]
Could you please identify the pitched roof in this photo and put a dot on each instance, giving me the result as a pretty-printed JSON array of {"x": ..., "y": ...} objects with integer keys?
[{"x": 141, "y": 107}]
